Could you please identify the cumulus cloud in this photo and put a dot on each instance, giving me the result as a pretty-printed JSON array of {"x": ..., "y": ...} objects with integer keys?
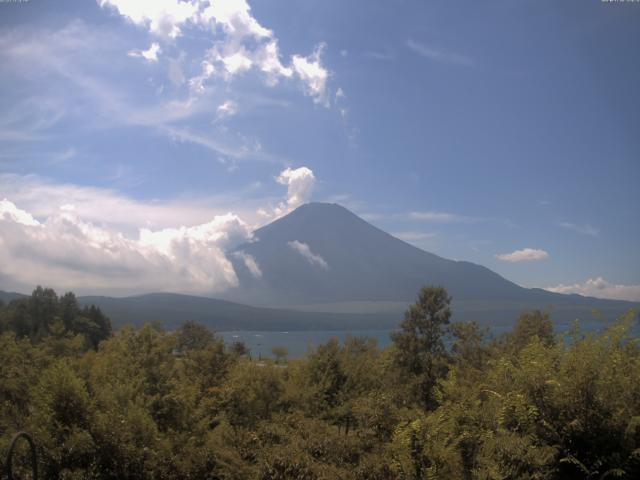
[
  {"x": 304, "y": 250},
  {"x": 73, "y": 253},
  {"x": 9, "y": 212},
  {"x": 97, "y": 241},
  {"x": 524, "y": 255},
  {"x": 313, "y": 74},
  {"x": 150, "y": 54},
  {"x": 164, "y": 18},
  {"x": 224, "y": 231},
  {"x": 43, "y": 198},
  {"x": 300, "y": 183},
  {"x": 240, "y": 43},
  {"x": 601, "y": 288}
]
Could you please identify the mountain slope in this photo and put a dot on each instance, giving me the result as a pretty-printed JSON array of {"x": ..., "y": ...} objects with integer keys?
[{"x": 364, "y": 263}]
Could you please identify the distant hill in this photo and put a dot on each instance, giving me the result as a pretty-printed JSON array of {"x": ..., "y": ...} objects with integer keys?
[
  {"x": 7, "y": 297},
  {"x": 174, "y": 309}
]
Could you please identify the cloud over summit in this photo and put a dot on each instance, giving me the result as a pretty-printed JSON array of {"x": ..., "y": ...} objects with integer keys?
[{"x": 99, "y": 257}]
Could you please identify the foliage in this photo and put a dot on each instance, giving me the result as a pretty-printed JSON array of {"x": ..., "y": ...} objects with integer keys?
[
  {"x": 147, "y": 403},
  {"x": 420, "y": 350},
  {"x": 44, "y": 314}
]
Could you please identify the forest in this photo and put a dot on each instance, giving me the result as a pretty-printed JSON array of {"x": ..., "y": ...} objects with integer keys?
[{"x": 445, "y": 401}]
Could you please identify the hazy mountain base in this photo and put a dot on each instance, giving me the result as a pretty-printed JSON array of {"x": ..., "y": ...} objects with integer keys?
[
  {"x": 174, "y": 309},
  {"x": 487, "y": 312},
  {"x": 151, "y": 404}
]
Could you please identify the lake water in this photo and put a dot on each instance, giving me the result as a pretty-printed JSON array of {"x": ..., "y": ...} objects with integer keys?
[{"x": 299, "y": 342}]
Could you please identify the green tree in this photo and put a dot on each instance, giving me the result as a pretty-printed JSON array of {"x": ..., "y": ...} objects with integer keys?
[
  {"x": 93, "y": 324},
  {"x": 469, "y": 344},
  {"x": 193, "y": 336},
  {"x": 43, "y": 309},
  {"x": 529, "y": 325},
  {"x": 252, "y": 393},
  {"x": 69, "y": 310},
  {"x": 239, "y": 349},
  {"x": 420, "y": 351}
]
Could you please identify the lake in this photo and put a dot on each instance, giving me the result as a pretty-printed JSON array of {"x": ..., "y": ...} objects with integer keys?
[{"x": 298, "y": 343}]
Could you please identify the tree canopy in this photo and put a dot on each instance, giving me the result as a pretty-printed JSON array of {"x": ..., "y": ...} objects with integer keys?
[{"x": 444, "y": 400}]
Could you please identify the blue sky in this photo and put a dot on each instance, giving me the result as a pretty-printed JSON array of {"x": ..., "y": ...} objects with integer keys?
[{"x": 505, "y": 133}]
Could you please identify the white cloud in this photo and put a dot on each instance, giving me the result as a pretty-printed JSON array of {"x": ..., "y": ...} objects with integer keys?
[
  {"x": 163, "y": 17},
  {"x": 227, "y": 109},
  {"x": 235, "y": 17},
  {"x": 304, "y": 250},
  {"x": 250, "y": 262},
  {"x": 439, "y": 55},
  {"x": 524, "y": 255},
  {"x": 43, "y": 198},
  {"x": 151, "y": 54},
  {"x": 96, "y": 240},
  {"x": 240, "y": 41},
  {"x": 300, "y": 183},
  {"x": 71, "y": 253},
  {"x": 599, "y": 287},
  {"x": 582, "y": 229},
  {"x": 313, "y": 74},
  {"x": 224, "y": 231},
  {"x": 9, "y": 212},
  {"x": 67, "y": 61}
]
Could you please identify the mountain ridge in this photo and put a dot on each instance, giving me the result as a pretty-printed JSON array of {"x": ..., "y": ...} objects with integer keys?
[{"x": 364, "y": 263}]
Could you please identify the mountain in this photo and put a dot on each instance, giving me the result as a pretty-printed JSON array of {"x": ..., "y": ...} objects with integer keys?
[
  {"x": 323, "y": 254},
  {"x": 322, "y": 267},
  {"x": 6, "y": 297}
]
